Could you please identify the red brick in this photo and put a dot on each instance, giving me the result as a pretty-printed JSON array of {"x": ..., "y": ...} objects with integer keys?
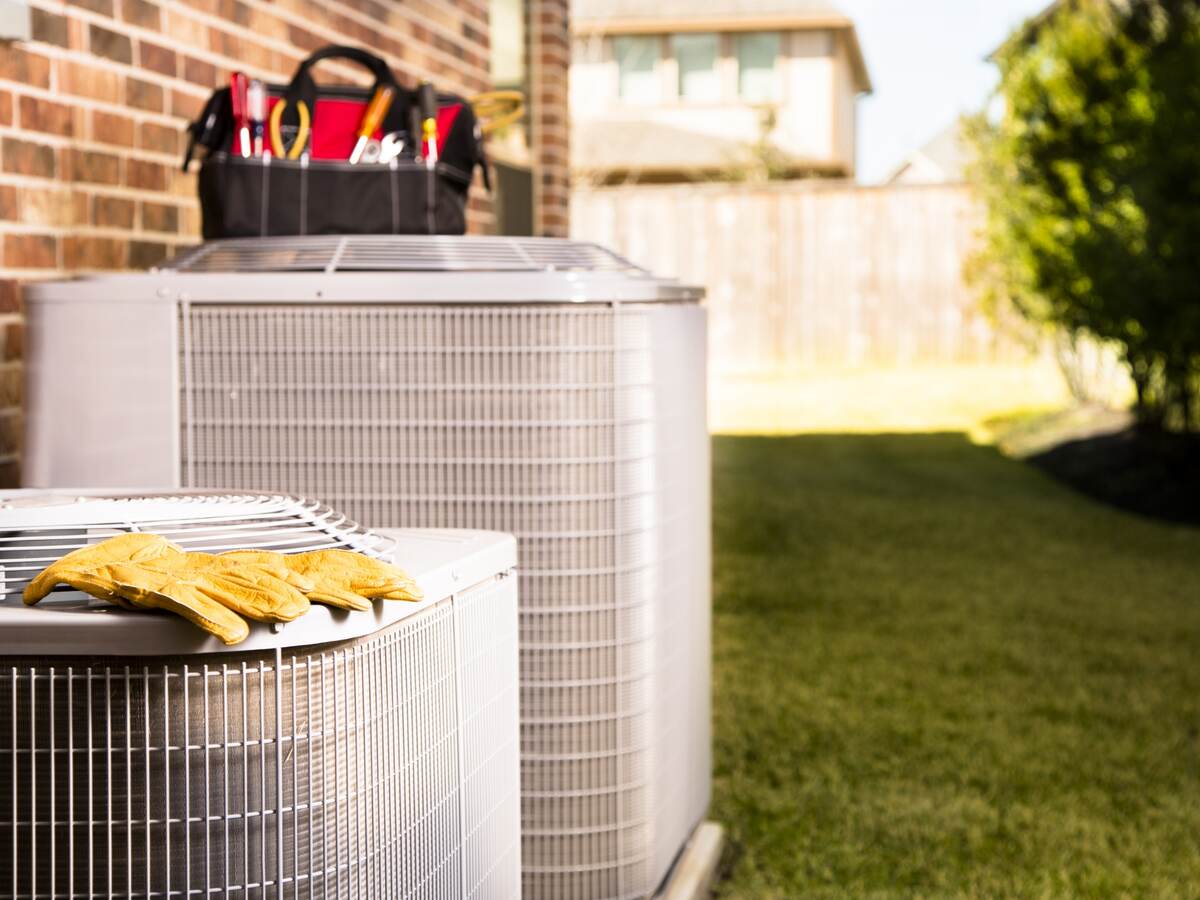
[
  {"x": 10, "y": 296},
  {"x": 14, "y": 332},
  {"x": 143, "y": 95},
  {"x": 144, "y": 254},
  {"x": 10, "y": 474},
  {"x": 47, "y": 116},
  {"x": 110, "y": 128},
  {"x": 148, "y": 176},
  {"x": 81, "y": 207},
  {"x": 95, "y": 252},
  {"x": 8, "y": 202},
  {"x": 157, "y": 59},
  {"x": 186, "y": 106},
  {"x": 93, "y": 167},
  {"x": 142, "y": 14},
  {"x": 104, "y": 7},
  {"x": 110, "y": 44},
  {"x": 12, "y": 382},
  {"x": 161, "y": 138},
  {"x": 113, "y": 212},
  {"x": 49, "y": 28},
  {"x": 46, "y": 206},
  {"x": 6, "y": 108},
  {"x": 199, "y": 72},
  {"x": 90, "y": 81},
  {"x": 25, "y": 158},
  {"x": 17, "y": 64},
  {"x": 11, "y": 431},
  {"x": 30, "y": 251},
  {"x": 160, "y": 217}
]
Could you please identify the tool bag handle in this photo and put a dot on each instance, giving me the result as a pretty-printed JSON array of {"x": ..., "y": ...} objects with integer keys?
[{"x": 302, "y": 87}]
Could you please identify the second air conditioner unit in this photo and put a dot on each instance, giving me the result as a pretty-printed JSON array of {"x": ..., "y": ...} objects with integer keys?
[
  {"x": 358, "y": 755},
  {"x": 540, "y": 387}
]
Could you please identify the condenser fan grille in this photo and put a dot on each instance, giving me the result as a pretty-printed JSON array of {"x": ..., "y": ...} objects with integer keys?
[
  {"x": 41, "y": 529},
  {"x": 579, "y": 429},
  {"x": 398, "y": 253}
]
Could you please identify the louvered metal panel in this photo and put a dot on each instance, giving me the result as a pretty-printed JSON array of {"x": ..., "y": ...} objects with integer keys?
[{"x": 580, "y": 429}]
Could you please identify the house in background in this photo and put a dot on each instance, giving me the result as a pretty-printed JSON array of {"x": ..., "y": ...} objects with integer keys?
[
  {"x": 942, "y": 160},
  {"x": 686, "y": 90}
]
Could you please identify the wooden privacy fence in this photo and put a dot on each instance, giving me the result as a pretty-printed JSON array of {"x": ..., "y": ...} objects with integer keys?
[{"x": 809, "y": 275}]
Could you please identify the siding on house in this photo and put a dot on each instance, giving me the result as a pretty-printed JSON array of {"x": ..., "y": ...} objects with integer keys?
[
  {"x": 654, "y": 134},
  {"x": 93, "y": 108}
]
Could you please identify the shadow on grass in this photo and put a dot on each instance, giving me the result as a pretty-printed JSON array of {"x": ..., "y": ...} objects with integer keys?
[
  {"x": 937, "y": 672},
  {"x": 1152, "y": 474}
]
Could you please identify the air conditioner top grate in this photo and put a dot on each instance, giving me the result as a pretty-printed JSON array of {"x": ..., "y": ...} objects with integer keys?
[
  {"x": 398, "y": 253},
  {"x": 36, "y": 528}
]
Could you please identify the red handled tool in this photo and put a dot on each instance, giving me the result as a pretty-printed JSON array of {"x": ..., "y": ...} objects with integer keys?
[{"x": 238, "y": 87}]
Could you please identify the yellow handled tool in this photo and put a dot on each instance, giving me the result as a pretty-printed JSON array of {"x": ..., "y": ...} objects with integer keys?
[
  {"x": 380, "y": 103},
  {"x": 498, "y": 109},
  {"x": 278, "y": 147}
]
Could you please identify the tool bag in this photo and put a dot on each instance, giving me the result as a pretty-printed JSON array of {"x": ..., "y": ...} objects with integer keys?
[{"x": 314, "y": 189}]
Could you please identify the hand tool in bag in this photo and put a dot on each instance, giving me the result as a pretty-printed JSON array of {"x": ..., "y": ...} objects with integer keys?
[
  {"x": 300, "y": 141},
  {"x": 381, "y": 102},
  {"x": 238, "y": 87},
  {"x": 256, "y": 112},
  {"x": 388, "y": 148},
  {"x": 427, "y": 101}
]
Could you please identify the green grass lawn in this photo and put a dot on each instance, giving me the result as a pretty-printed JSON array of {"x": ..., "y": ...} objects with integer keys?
[{"x": 938, "y": 673}]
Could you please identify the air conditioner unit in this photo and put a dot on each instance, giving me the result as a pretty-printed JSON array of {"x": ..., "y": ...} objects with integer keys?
[
  {"x": 369, "y": 754},
  {"x": 541, "y": 387}
]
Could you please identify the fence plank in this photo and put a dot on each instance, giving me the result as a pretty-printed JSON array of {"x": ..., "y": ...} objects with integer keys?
[{"x": 810, "y": 275}]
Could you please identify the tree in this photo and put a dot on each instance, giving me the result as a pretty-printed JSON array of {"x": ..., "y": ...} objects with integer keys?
[{"x": 1091, "y": 182}]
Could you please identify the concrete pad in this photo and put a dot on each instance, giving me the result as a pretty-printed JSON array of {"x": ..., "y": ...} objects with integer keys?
[{"x": 694, "y": 871}]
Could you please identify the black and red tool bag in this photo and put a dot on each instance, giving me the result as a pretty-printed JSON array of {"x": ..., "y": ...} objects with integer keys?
[{"x": 289, "y": 172}]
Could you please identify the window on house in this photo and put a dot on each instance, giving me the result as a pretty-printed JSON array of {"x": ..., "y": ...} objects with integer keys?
[
  {"x": 696, "y": 59},
  {"x": 637, "y": 56},
  {"x": 757, "y": 51},
  {"x": 508, "y": 43}
]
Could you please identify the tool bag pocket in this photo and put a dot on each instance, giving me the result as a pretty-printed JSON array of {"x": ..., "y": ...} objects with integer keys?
[
  {"x": 303, "y": 182},
  {"x": 248, "y": 197}
]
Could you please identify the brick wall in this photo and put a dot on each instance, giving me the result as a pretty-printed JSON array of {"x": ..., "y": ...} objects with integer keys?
[
  {"x": 549, "y": 62},
  {"x": 92, "y": 111}
]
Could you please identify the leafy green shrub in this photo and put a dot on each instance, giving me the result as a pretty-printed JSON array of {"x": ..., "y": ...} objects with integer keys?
[{"x": 1091, "y": 180}]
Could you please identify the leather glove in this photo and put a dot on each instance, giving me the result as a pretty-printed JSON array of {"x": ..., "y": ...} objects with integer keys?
[
  {"x": 213, "y": 592},
  {"x": 140, "y": 571},
  {"x": 350, "y": 580},
  {"x": 135, "y": 547}
]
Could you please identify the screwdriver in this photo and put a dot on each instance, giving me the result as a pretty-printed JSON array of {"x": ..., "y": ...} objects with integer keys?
[
  {"x": 237, "y": 97},
  {"x": 380, "y": 103},
  {"x": 427, "y": 100},
  {"x": 256, "y": 112}
]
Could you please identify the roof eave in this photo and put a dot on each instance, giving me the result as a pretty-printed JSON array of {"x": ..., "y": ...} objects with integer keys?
[{"x": 673, "y": 24}]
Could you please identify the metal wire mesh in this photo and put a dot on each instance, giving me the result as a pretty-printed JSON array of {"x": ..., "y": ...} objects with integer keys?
[
  {"x": 383, "y": 767},
  {"x": 376, "y": 253},
  {"x": 211, "y": 523},
  {"x": 579, "y": 429}
]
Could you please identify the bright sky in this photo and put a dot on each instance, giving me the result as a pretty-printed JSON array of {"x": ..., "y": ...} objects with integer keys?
[{"x": 927, "y": 63}]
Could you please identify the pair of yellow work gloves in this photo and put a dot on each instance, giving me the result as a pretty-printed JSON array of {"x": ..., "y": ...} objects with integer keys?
[{"x": 215, "y": 592}]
